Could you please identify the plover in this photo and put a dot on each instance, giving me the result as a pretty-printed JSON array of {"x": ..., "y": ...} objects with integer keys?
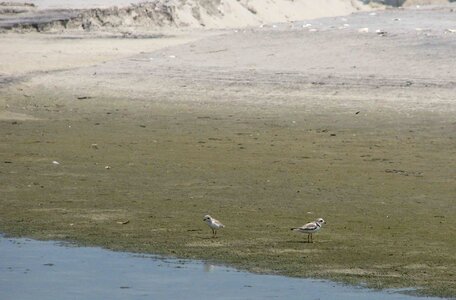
[
  {"x": 213, "y": 224},
  {"x": 310, "y": 228}
]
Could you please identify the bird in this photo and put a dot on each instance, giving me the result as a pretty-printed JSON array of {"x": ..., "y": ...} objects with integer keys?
[
  {"x": 310, "y": 228},
  {"x": 213, "y": 224}
]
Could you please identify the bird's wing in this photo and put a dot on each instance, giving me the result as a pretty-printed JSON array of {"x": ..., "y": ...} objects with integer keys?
[
  {"x": 309, "y": 226},
  {"x": 218, "y": 223}
]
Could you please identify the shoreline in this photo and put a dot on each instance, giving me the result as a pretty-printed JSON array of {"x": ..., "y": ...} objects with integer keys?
[{"x": 54, "y": 259}]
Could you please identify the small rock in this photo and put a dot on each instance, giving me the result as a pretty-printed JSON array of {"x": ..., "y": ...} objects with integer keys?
[
  {"x": 94, "y": 146},
  {"x": 107, "y": 167}
]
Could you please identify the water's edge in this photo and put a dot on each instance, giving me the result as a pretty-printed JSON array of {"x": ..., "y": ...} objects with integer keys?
[{"x": 31, "y": 269}]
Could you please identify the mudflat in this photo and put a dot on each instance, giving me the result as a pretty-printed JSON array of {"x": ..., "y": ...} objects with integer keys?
[{"x": 352, "y": 119}]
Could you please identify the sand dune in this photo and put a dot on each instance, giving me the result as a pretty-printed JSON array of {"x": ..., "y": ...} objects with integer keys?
[
  {"x": 233, "y": 13},
  {"x": 52, "y": 15}
]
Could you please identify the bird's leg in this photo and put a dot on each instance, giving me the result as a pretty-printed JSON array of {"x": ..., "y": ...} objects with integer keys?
[
  {"x": 308, "y": 238},
  {"x": 215, "y": 234},
  {"x": 311, "y": 238}
]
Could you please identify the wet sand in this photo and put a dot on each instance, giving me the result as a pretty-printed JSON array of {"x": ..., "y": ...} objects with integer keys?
[{"x": 265, "y": 129}]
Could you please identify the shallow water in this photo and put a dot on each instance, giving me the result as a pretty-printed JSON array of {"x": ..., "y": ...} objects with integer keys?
[{"x": 32, "y": 269}]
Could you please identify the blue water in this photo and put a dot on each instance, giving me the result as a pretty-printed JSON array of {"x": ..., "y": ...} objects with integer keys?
[{"x": 37, "y": 270}]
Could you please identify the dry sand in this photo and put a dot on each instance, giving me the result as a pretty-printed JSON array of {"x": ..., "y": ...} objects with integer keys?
[{"x": 53, "y": 16}]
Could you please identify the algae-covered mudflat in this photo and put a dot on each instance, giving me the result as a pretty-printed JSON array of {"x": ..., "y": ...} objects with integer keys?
[
  {"x": 131, "y": 154},
  {"x": 386, "y": 193}
]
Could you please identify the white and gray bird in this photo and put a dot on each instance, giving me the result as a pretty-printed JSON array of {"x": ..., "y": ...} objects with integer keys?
[
  {"x": 310, "y": 228},
  {"x": 213, "y": 224}
]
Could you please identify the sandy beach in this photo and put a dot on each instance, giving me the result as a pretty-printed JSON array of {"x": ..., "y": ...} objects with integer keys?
[{"x": 349, "y": 115}]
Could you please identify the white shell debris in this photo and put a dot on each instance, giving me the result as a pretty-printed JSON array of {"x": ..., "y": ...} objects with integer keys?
[
  {"x": 55, "y": 162},
  {"x": 307, "y": 25},
  {"x": 363, "y": 30},
  {"x": 107, "y": 167}
]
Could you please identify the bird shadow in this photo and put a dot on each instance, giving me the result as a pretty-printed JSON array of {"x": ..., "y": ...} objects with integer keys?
[
  {"x": 297, "y": 242},
  {"x": 207, "y": 237}
]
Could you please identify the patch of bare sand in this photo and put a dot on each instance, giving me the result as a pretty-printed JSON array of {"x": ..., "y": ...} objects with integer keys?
[
  {"x": 12, "y": 116},
  {"x": 296, "y": 251},
  {"x": 93, "y": 215},
  {"x": 205, "y": 243},
  {"x": 361, "y": 272},
  {"x": 24, "y": 53}
]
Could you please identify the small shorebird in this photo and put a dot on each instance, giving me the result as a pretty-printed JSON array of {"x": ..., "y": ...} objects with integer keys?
[
  {"x": 310, "y": 228},
  {"x": 213, "y": 224}
]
